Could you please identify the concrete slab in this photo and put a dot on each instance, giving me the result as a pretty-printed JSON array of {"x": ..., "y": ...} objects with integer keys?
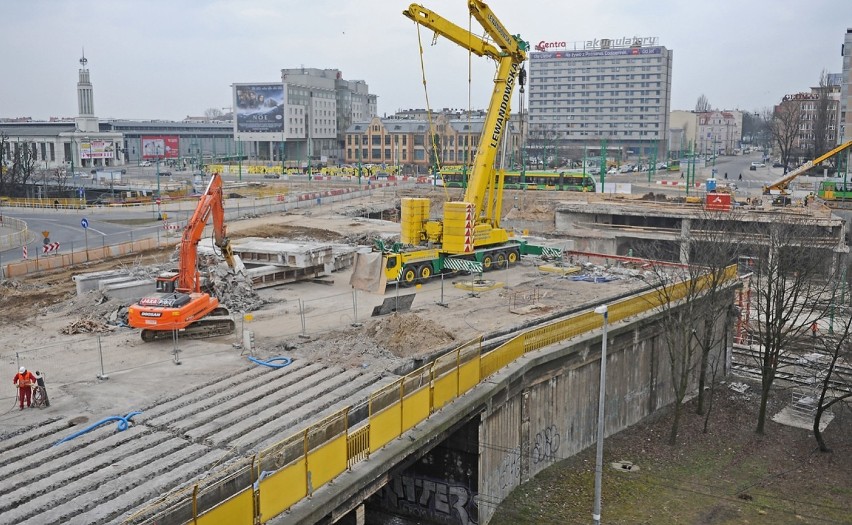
[
  {"x": 87, "y": 282},
  {"x": 129, "y": 290},
  {"x": 790, "y": 418}
]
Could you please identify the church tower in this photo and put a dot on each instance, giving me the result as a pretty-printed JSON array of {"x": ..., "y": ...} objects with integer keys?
[{"x": 86, "y": 121}]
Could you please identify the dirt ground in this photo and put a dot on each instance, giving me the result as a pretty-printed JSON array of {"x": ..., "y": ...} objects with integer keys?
[
  {"x": 730, "y": 475},
  {"x": 328, "y": 322}
]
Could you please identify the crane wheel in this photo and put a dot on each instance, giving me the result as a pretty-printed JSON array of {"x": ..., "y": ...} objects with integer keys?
[
  {"x": 499, "y": 260},
  {"x": 424, "y": 272},
  {"x": 487, "y": 263},
  {"x": 409, "y": 276},
  {"x": 513, "y": 256}
]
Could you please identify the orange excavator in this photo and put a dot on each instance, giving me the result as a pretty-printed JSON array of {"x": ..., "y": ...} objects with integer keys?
[{"x": 182, "y": 301}]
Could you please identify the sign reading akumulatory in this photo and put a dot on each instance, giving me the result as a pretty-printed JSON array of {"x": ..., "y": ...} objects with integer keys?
[{"x": 259, "y": 108}]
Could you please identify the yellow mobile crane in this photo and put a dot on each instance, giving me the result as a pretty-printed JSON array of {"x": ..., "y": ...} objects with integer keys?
[
  {"x": 469, "y": 236},
  {"x": 779, "y": 187}
]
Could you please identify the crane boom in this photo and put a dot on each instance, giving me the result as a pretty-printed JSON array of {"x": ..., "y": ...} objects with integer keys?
[
  {"x": 782, "y": 183},
  {"x": 510, "y": 55}
]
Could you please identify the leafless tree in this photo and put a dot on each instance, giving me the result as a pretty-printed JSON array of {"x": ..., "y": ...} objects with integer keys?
[
  {"x": 213, "y": 113},
  {"x": 60, "y": 178},
  {"x": 695, "y": 304},
  {"x": 836, "y": 382},
  {"x": 790, "y": 289},
  {"x": 784, "y": 128},
  {"x": 822, "y": 118},
  {"x": 702, "y": 105}
]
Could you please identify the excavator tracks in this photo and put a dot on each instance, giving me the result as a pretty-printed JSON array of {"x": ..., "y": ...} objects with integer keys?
[{"x": 211, "y": 326}]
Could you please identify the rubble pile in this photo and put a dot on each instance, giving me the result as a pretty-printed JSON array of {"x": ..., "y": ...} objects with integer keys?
[
  {"x": 234, "y": 290},
  {"x": 86, "y": 325}
]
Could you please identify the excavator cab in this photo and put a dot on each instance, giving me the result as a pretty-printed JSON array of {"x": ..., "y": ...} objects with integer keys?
[{"x": 166, "y": 282}]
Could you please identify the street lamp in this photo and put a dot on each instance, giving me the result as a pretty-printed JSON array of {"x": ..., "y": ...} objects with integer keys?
[{"x": 596, "y": 512}]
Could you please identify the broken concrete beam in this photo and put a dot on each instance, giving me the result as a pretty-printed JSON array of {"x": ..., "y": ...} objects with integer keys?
[
  {"x": 301, "y": 255},
  {"x": 129, "y": 290},
  {"x": 87, "y": 282}
]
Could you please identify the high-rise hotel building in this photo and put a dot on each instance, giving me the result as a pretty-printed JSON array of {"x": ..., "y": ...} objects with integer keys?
[{"x": 580, "y": 93}]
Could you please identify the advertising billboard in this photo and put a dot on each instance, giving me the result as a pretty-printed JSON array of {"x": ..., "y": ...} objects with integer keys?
[
  {"x": 160, "y": 146},
  {"x": 97, "y": 149},
  {"x": 259, "y": 108}
]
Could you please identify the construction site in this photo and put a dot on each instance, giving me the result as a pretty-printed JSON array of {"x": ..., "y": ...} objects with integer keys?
[{"x": 249, "y": 367}]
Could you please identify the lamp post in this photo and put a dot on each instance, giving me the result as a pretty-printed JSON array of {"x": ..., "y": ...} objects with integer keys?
[
  {"x": 158, "y": 171},
  {"x": 596, "y": 513}
]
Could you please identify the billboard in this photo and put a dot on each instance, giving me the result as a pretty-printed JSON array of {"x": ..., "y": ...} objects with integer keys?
[
  {"x": 259, "y": 108},
  {"x": 97, "y": 149},
  {"x": 160, "y": 146}
]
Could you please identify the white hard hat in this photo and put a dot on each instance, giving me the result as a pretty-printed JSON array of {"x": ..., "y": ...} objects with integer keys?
[{"x": 23, "y": 369}]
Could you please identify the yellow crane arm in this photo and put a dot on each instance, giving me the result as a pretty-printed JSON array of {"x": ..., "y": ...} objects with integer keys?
[
  {"x": 510, "y": 55},
  {"x": 782, "y": 183}
]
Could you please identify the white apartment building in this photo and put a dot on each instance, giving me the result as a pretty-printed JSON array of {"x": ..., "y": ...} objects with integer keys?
[{"x": 613, "y": 89}]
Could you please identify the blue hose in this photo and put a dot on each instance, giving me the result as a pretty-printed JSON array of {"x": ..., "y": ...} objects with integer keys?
[
  {"x": 271, "y": 362},
  {"x": 123, "y": 424}
]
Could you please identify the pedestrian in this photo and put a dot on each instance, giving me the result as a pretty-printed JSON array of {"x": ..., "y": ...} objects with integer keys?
[
  {"x": 814, "y": 329},
  {"x": 726, "y": 175},
  {"x": 24, "y": 381},
  {"x": 681, "y": 174},
  {"x": 741, "y": 176}
]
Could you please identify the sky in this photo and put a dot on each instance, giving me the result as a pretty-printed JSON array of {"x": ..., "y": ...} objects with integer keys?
[{"x": 166, "y": 60}]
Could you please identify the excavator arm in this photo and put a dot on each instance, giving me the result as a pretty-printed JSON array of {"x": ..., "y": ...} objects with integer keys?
[
  {"x": 211, "y": 202},
  {"x": 781, "y": 184},
  {"x": 510, "y": 53}
]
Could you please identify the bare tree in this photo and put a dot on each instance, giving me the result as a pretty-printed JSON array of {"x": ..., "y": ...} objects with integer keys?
[
  {"x": 694, "y": 303},
  {"x": 790, "y": 289},
  {"x": 822, "y": 117},
  {"x": 213, "y": 113},
  {"x": 702, "y": 105},
  {"x": 831, "y": 388},
  {"x": 784, "y": 128}
]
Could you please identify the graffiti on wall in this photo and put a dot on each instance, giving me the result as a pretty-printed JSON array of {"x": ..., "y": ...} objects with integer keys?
[
  {"x": 546, "y": 445},
  {"x": 508, "y": 472},
  {"x": 435, "y": 499}
]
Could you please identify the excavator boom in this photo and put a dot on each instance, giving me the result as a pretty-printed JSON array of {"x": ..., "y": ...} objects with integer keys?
[{"x": 180, "y": 303}]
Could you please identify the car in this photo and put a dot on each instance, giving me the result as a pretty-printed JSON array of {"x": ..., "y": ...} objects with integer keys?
[
  {"x": 753, "y": 167},
  {"x": 612, "y": 171},
  {"x": 758, "y": 164},
  {"x": 271, "y": 176},
  {"x": 146, "y": 164},
  {"x": 777, "y": 165}
]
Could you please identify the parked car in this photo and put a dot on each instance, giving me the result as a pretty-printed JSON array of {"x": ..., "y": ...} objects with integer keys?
[
  {"x": 271, "y": 176},
  {"x": 777, "y": 165}
]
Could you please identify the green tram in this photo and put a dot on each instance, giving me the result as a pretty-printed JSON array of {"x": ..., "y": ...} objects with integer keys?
[
  {"x": 532, "y": 180},
  {"x": 835, "y": 190}
]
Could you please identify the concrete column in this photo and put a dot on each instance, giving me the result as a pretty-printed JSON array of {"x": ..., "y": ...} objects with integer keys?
[{"x": 685, "y": 240}]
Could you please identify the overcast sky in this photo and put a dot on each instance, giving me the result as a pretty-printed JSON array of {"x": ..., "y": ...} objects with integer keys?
[{"x": 157, "y": 59}]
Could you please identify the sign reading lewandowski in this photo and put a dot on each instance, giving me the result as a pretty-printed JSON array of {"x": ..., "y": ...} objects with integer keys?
[
  {"x": 160, "y": 147},
  {"x": 259, "y": 108}
]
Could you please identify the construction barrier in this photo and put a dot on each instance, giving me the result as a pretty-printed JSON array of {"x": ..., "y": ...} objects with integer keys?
[
  {"x": 297, "y": 466},
  {"x": 13, "y": 232}
]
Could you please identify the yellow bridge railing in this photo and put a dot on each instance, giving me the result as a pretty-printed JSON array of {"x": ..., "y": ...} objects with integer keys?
[{"x": 295, "y": 467}]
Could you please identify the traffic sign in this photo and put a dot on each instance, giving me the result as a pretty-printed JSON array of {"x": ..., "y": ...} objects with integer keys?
[
  {"x": 158, "y": 202},
  {"x": 26, "y": 253},
  {"x": 84, "y": 222}
]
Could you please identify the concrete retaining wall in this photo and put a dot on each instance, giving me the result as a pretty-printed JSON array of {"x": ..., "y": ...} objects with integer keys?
[{"x": 62, "y": 260}]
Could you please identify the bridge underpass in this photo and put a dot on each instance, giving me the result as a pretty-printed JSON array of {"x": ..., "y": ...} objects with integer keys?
[{"x": 460, "y": 463}]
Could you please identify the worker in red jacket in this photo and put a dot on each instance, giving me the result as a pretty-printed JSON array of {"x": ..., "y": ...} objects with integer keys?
[{"x": 24, "y": 380}]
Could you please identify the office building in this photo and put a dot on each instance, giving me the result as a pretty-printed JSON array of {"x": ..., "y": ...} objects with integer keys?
[{"x": 583, "y": 93}]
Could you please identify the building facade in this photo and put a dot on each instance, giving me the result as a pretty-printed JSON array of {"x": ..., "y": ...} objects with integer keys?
[
  {"x": 617, "y": 90},
  {"x": 408, "y": 144},
  {"x": 845, "y": 130},
  {"x": 300, "y": 121}
]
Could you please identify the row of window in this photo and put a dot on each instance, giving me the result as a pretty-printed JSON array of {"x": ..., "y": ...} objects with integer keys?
[{"x": 559, "y": 82}]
